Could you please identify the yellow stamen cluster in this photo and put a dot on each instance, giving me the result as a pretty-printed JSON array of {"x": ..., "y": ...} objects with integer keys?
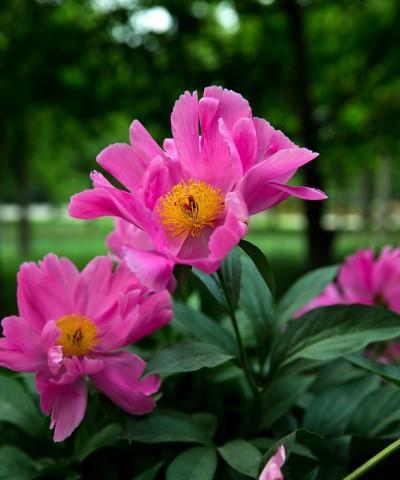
[
  {"x": 189, "y": 207},
  {"x": 78, "y": 335}
]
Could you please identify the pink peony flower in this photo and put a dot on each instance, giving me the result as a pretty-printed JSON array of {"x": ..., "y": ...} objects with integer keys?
[
  {"x": 366, "y": 280},
  {"x": 190, "y": 202},
  {"x": 71, "y": 325},
  {"x": 272, "y": 470}
]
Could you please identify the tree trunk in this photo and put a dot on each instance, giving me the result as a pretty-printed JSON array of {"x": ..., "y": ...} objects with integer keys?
[{"x": 319, "y": 240}]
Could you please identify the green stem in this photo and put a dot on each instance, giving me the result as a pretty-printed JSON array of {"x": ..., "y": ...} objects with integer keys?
[
  {"x": 244, "y": 361},
  {"x": 374, "y": 460}
]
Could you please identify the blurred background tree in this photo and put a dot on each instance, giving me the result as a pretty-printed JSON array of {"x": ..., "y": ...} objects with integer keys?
[{"x": 76, "y": 72}]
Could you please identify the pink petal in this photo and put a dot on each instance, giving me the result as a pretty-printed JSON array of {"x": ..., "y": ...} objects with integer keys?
[
  {"x": 257, "y": 183},
  {"x": 208, "y": 108},
  {"x": 170, "y": 147},
  {"x": 65, "y": 403},
  {"x": 355, "y": 277},
  {"x": 264, "y": 132},
  {"x": 386, "y": 275},
  {"x": 225, "y": 236},
  {"x": 144, "y": 147},
  {"x": 155, "y": 271},
  {"x": 244, "y": 136},
  {"x": 330, "y": 296},
  {"x": 156, "y": 181},
  {"x": 125, "y": 234},
  {"x": 20, "y": 349},
  {"x": 119, "y": 380},
  {"x": 155, "y": 311},
  {"x": 74, "y": 368},
  {"x": 234, "y": 228},
  {"x": 279, "y": 141},
  {"x": 46, "y": 291},
  {"x": 232, "y": 105},
  {"x": 119, "y": 160},
  {"x": 111, "y": 202},
  {"x": 185, "y": 129},
  {"x": 272, "y": 470},
  {"x": 305, "y": 193}
]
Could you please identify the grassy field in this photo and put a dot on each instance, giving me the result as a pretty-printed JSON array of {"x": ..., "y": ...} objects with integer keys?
[{"x": 80, "y": 241}]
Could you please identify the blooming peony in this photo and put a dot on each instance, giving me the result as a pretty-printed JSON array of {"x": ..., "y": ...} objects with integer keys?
[
  {"x": 71, "y": 325},
  {"x": 190, "y": 202},
  {"x": 272, "y": 470},
  {"x": 364, "y": 279}
]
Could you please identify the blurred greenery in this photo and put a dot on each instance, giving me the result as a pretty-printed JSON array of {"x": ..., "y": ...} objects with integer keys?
[
  {"x": 76, "y": 72},
  {"x": 82, "y": 240}
]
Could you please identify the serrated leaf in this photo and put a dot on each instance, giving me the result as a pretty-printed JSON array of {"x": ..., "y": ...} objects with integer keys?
[
  {"x": 187, "y": 357},
  {"x": 198, "y": 463}
]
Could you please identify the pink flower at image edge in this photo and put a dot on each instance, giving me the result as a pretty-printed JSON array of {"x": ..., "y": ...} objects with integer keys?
[
  {"x": 272, "y": 470},
  {"x": 366, "y": 279},
  {"x": 72, "y": 325},
  {"x": 190, "y": 201}
]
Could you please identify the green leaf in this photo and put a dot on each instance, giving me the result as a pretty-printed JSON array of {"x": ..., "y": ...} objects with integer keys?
[
  {"x": 330, "y": 412},
  {"x": 18, "y": 408},
  {"x": 389, "y": 372},
  {"x": 332, "y": 332},
  {"x": 261, "y": 262},
  {"x": 151, "y": 473},
  {"x": 164, "y": 426},
  {"x": 335, "y": 373},
  {"x": 303, "y": 291},
  {"x": 231, "y": 272},
  {"x": 242, "y": 456},
  {"x": 256, "y": 299},
  {"x": 87, "y": 444},
  {"x": 208, "y": 421},
  {"x": 377, "y": 414},
  {"x": 187, "y": 357},
  {"x": 203, "y": 328},
  {"x": 198, "y": 463},
  {"x": 231, "y": 269},
  {"x": 212, "y": 284},
  {"x": 281, "y": 395},
  {"x": 16, "y": 465}
]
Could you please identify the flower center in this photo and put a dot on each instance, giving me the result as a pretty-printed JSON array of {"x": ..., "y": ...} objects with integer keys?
[
  {"x": 189, "y": 207},
  {"x": 78, "y": 335}
]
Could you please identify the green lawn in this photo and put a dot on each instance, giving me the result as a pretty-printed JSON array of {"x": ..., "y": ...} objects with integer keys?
[{"x": 80, "y": 241}]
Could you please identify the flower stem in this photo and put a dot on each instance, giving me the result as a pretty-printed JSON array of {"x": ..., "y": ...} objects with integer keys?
[
  {"x": 374, "y": 460},
  {"x": 244, "y": 361}
]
